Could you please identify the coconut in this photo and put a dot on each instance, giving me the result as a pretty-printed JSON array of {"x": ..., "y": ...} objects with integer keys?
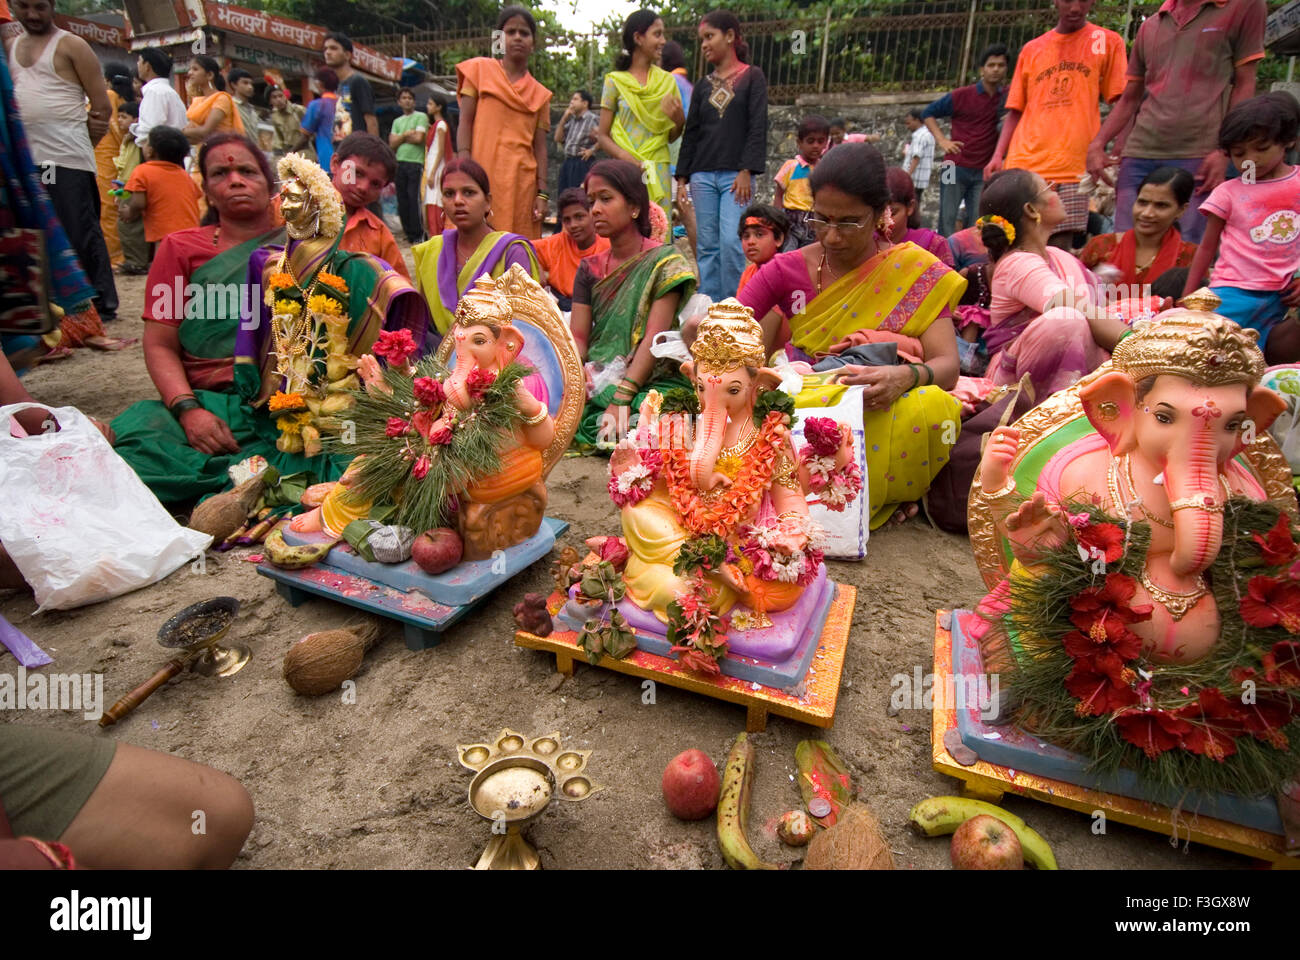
[
  {"x": 854, "y": 843},
  {"x": 223, "y": 515},
  {"x": 320, "y": 662}
]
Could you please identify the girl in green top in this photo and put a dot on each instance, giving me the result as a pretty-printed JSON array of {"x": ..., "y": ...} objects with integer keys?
[{"x": 641, "y": 109}]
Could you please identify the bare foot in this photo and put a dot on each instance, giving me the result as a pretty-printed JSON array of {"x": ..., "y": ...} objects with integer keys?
[
  {"x": 309, "y": 522},
  {"x": 903, "y": 514},
  {"x": 108, "y": 343}
]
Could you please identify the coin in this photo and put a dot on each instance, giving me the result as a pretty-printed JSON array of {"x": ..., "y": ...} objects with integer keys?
[{"x": 819, "y": 807}]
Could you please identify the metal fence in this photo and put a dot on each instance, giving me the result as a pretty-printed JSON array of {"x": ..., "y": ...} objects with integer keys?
[{"x": 923, "y": 45}]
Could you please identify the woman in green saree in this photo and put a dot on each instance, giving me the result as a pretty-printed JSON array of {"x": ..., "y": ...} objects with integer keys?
[
  {"x": 852, "y": 292},
  {"x": 622, "y": 298},
  {"x": 641, "y": 110},
  {"x": 447, "y": 265},
  {"x": 199, "y": 291}
]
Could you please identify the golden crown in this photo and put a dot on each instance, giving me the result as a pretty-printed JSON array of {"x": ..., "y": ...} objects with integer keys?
[
  {"x": 1192, "y": 343},
  {"x": 729, "y": 337},
  {"x": 483, "y": 303}
]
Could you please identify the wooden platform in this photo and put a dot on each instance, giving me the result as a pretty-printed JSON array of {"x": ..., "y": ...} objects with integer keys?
[
  {"x": 989, "y": 782},
  {"x": 813, "y": 704}
]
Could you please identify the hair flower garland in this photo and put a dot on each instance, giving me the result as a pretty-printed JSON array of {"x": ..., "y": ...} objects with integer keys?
[{"x": 1002, "y": 223}]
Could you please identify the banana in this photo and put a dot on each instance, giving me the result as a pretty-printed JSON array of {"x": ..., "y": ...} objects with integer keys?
[
  {"x": 733, "y": 809},
  {"x": 939, "y": 816},
  {"x": 294, "y": 558}
]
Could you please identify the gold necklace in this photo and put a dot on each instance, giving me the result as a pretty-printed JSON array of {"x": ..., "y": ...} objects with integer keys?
[
  {"x": 1132, "y": 489},
  {"x": 731, "y": 459},
  {"x": 1178, "y": 604}
]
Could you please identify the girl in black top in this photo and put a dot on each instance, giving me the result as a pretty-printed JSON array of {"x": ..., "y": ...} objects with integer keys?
[{"x": 724, "y": 143}]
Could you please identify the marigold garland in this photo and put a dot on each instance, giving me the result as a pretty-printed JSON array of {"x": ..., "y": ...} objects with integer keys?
[{"x": 286, "y": 401}]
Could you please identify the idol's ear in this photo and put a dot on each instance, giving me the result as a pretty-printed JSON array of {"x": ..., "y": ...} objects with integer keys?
[
  {"x": 688, "y": 370},
  {"x": 1263, "y": 406},
  {"x": 509, "y": 344},
  {"x": 767, "y": 379},
  {"x": 1110, "y": 403}
]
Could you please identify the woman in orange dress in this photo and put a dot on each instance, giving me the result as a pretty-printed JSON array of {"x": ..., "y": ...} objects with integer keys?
[
  {"x": 510, "y": 111},
  {"x": 211, "y": 109}
]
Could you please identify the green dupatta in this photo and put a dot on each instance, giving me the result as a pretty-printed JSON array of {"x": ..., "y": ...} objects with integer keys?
[
  {"x": 212, "y": 318},
  {"x": 644, "y": 104}
]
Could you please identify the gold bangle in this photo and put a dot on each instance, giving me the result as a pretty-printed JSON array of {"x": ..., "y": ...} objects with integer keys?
[
  {"x": 537, "y": 417},
  {"x": 1196, "y": 503},
  {"x": 1007, "y": 490}
]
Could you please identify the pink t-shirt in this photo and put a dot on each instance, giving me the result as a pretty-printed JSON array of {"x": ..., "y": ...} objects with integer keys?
[{"x": 1260, "y": 245}]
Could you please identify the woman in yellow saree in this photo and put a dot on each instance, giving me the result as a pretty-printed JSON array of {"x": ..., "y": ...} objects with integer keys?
[
  {"x": 447, "y": 265},
  {"x": 852, "y": 296},
  {"x": 641, "y": 110}
]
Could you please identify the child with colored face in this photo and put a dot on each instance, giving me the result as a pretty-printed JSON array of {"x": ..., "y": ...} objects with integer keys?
[
  {"x": 763, "y": 230},
  {"x": 793, "y": 192}
]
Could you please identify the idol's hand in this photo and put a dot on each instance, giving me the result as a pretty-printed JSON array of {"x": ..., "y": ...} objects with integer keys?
[
  {"x": 1036, "y": 526},
  {"x": 998, "y": 454}
]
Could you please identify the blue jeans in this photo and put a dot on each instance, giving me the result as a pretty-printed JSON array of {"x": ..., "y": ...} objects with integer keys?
[
  {"x": 968, "y": 185},
  {"x": 718, "y": 253},
  {"x": 1132, "y": 171}
]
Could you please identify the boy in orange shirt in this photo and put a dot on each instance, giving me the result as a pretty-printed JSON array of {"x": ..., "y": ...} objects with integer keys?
[
  {"x": 561, "y": 253},
  {"x": 362, "y": 166},
  {"x": 1053, "y": 107},
  {"x": 160, "y": 190}
]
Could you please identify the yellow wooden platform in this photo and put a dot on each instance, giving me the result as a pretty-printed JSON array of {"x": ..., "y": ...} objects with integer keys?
[
  {"x": 988, "y": 781},
  {"x": 821, "y": 686}
]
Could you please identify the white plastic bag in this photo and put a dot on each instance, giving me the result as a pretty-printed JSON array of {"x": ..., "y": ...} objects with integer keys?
[
  {"x": 79, "y": 524},
  {"x": 846, "y": 530}
]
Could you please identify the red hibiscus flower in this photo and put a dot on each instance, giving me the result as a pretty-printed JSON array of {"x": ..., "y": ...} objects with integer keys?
[
  {"x": 1265, "y": 718},
  {"x": 1097, "y": 693},
  {"x": 1155, "y": 731},
  {"x": 1282, "y": 664},
  {"x": 1215, "y": 721},
  {"x": 1105, "y": 538},
  {"x": 1270, "y": 602},
  {"x": 478, "y": 381},
  {"x": 440, "y": 436},
  {"x": 394, "y": 346},
  {"x": 1109, "y": 659},
  {"x": 1276, "y": 546},
  {"x": 397, "y": 427},
  {"x": 420, "y": 468},
  {"x": 823, "y": 435},
  {"x": 1113, "y": 599},
  {"x": 428, "y": 391}
]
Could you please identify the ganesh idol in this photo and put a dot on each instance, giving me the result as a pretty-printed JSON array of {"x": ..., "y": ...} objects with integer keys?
[
  {"x": 466, "y": 443},
  {"x": 1138, "y": 533},
  {"x": 714, "y": 497}
]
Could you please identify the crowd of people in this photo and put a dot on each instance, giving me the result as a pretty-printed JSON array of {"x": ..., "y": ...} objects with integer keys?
[{"x": 1023, "y": 279}]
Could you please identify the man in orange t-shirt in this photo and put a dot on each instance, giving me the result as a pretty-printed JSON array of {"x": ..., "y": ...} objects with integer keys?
[
  {"x": 1053, "y": 106},
  {"x": 161, "y": 190},
  {"x": 561, "y": 253},
  {"x": 362, "y": 166}
]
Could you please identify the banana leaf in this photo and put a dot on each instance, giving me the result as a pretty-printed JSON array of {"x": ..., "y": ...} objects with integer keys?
[{"x": 823, "y": 774}]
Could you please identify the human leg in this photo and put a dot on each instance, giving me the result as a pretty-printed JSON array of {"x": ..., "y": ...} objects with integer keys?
[
  {"x": 971, "y": 183},
  {"x": 733, "y": 255},
  {"x": 134, "y": 248},
  {"x": 75, "y": 196},
  {"x": 708, "y": 252},
  {"x": 408, "y": 200},
  {"x": 950, "y": 195}
]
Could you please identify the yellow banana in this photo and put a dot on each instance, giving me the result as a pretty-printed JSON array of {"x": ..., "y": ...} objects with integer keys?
[
  {"x": 733, "y": 809},
  {"x": 939, "y": 816},
  {"x": 294, "y": 558}
]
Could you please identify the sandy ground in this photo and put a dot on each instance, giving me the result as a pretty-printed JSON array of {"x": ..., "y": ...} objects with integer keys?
[{"x": 376, "y": 783}]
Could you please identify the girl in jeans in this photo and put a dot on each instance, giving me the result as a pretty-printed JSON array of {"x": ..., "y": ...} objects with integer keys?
[{"x": 725, "y": 142}]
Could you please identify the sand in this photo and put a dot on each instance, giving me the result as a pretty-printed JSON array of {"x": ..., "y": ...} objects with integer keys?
[{"x": 376, "y": 783}]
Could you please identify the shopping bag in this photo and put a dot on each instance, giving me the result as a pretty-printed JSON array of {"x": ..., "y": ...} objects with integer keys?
[
  {"x": 76, "y": 520},
  {"x": 846, "y": 530}
]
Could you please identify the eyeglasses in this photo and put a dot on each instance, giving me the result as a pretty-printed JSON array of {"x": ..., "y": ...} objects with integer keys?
[{"x": 821, "y": 226}]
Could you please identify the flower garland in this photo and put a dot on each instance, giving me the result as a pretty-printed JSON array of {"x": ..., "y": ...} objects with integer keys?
[
  {"x": 722, "y": 514},
  {"x": 1223, "y": 723},
  {"x": 766, "y": 545},
  {"x": 836, "y": 487},
  {"x": 697, "y": 634}
]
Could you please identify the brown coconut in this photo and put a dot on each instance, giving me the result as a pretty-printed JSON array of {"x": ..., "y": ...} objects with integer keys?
[
  {"x": 854, "y": 843},
  {"x": 223, "y": 515},
  {"x": 320, "y": 662}
]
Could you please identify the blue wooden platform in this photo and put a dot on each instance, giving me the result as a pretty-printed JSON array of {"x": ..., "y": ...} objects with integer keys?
[{"x": 394, "y": 592}]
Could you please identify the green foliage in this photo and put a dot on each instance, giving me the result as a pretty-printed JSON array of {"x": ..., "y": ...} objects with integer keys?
[
  {"x": 770, "y": 400},
  {"x": 703, "y": 553},
  {"x": 375, "y": 16},
  {"x": 680, "y": 400}
]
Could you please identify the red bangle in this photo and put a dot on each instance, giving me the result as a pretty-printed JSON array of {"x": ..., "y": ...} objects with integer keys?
[{"x": 58, "y": 854}]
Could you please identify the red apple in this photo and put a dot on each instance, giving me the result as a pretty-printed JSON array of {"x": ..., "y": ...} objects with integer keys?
[
  {"x": 691, "y": 785},
  {"x": 438, "y": 550},
  {"x": 986, "y": 843}
]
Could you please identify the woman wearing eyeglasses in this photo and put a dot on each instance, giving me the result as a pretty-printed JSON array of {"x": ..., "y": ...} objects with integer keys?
[
  {"x": 848, "y": 293},
  {"x": 1045, "y": 318}
]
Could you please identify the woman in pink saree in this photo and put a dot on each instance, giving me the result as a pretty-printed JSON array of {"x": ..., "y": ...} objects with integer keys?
[{"x": 1046, "y": 318}]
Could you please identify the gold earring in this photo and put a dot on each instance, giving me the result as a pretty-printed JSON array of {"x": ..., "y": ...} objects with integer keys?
[{"x": 1108, "y": 410}]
